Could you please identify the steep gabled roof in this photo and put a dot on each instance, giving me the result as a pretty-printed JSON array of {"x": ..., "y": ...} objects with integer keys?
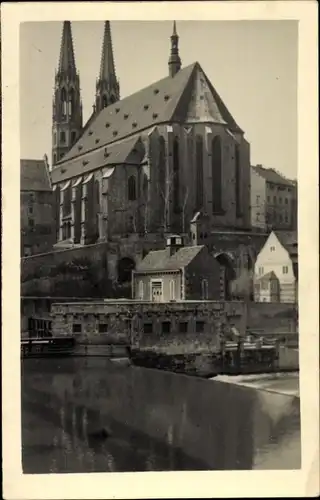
[
  {"x": 270, "y": 175},
  {"x": 289, "y": 240},
  {"x": 268, "y": 277},
  {"x": 161, "y": 260},
  {"x": 162, "y": 102},
  {"x": 34, "y": 176}
]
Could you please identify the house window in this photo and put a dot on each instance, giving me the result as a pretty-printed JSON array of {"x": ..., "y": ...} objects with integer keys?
[
  {"x": 199, "y": 326},
  {"x": 166, "y": 327},
  {"x": 76, "y": 328},
  {"x": 31, "y": 223},
  {"x": 132, "y": 195},
  {"x": 280, "y": 200},
  {"x": 257, "y": 217},
  {"x": 272, "y": 249},
  {"x": 30, "y": 209},
  {"x": 264, "y": 285},
  {"x": 280, "y": 217},
  {"x": 183, "y": 327},
  {"x": 141, "y": 290},
  {"x": 275, "y": 200},
  {"x": 103, "y": 327},
  {"x": 260, "y": 271},
  {"x": 156, "y": 291},
  {"x": 62, "y": 136},
  {"x": 258, "y": 199},
  {"x": 73, "y": 136},
  {"x": 147, "y": 328},
  {"x": 172, "y": 290},
  {"x": 286, "y": 218},
  {"x": 285, "y": 270},
  {"x": 204, "y": 289}
]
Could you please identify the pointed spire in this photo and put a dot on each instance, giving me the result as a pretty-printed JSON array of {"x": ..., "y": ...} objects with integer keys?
[
  {"x": 107, "y": 62},
  {"x": 174, "y": 59},
  {"x": 67, "y": 60},
  {"x": 107, "y": 86}
]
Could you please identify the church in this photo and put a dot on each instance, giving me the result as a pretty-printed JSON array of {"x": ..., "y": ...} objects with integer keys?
[{"x": 147, "y": 163}]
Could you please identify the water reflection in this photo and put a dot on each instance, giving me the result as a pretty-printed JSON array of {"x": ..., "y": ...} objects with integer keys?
[{"x": 82, "y": 415}]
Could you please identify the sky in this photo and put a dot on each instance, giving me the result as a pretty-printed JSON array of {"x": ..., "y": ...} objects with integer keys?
[{"x": 251, "y": 64}]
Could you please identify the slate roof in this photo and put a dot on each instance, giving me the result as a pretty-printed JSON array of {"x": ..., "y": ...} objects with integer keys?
[
  {"x": 34, "y": 176},
  {"x": 164, "y": 101},
  {"x": 161, "y": 260},
  {"x": 268, "y": 276},
  {"x": 289, "y": 239},
  {"x": 130, "y": 151},
  {"x": 270, "y": 175}
]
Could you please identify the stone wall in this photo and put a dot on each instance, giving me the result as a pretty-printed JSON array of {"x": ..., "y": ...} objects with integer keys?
[
  {"x": 273, "y": 317},
  {"x": 145, "y": 323}
]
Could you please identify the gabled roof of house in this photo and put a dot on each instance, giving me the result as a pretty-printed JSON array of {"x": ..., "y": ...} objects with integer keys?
[
  {"x": 165, "y": 101},
  {"x": 289, "y": 240},
  {"x": 267, "y": 277},
  {"x": 270, "y": 175},
  {"x": 34, "y": 176},
  {"x": 161, "y": 260}
]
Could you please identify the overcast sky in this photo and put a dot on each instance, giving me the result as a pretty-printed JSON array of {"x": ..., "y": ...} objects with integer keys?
[{"x": 252, "y": 65}]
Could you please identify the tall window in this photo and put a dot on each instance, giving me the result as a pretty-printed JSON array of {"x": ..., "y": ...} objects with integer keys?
[
  {"x": 67, "y": 201},
  {"x": 162, "y": 166},
  {"x": 62, "y": 136},
  {"x": 64, "y": 101},
  {"x": 216, "y": 168},
  {"x": 199, "y": 170},
  {"x": 104, "y": 101},
  {"x": 132, "y": 194},
  {"x": 172, "y": 290},
  {"x": 145, "y": 187},
  {"x": 71, "y": 102},
  {"x": 238, "y": 182},
  {"x": 141, "y": 287},
  {"x": 204, "y": 289},
  {"x": 176, "y": 176}
]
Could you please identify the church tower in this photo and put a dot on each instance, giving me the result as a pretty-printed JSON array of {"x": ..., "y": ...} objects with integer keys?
[
  {"x": 174, "y": 59},
  {"x": 107, "y": 86},
  {"x": 67, "y": 106}
]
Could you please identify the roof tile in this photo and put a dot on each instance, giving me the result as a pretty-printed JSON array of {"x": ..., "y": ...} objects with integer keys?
[
  {"x": 161, "y": 260},
  {"x": 34, "y": 176}
]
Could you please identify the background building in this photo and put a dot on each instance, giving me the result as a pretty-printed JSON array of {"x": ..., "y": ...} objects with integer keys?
[
  {"x": 146, "y": 163},
  {"x": 273, "y": 200},
  {"x": 36, "y": 207},
  {"x": 276, "y": 269}
]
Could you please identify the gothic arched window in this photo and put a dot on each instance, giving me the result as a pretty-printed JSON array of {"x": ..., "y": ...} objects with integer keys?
[
  {"x": 73, "y": 136},
  {"x": 62, "y": 136},
  {"x": 199, "y": 170},
  {"x": 176, "y": 175},
  {"x": 216, "y": 168},
  {"x": 145, "y": 187},
  {"x": 71, "y": 102},
  {"x": 162, "y": 166},
  {"x": 238, "y": 181},
  {"x": 132, "y": 192},
  {"x": 64, "y": 101},
  {"x": 104, "y": 101}
]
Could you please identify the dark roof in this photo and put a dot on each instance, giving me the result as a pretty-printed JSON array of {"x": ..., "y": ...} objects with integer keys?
[
  {"x": 270, "y": 175},
  {"x": 161, "y": 260},
  {"x": 34, "y": 176},
  {"x": 268, "y": 276},
  {"x": 289, "y": 239},
  {"x": 130, "y": 151},
  {"x": 162, "y": 102}
]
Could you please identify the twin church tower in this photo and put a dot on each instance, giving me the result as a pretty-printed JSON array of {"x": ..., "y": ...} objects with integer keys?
[{"x": 67, "y": 118}]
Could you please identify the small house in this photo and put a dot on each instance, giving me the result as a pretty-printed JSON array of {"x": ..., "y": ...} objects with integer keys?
[
  {"x": 276, "y": 269},
  {"x": 177, "y": 273}
]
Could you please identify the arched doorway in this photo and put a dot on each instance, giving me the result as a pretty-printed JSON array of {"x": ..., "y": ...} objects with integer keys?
[
  {"x": 227, "y": 275},
  {"x": 125, "y": 267}
]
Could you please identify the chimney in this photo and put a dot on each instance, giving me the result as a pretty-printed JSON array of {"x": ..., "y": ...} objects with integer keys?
[{"x": 174, "y": 243}]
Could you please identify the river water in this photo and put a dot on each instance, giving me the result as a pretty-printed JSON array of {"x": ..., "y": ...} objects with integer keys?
[{"x": 92, "y": 415}]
